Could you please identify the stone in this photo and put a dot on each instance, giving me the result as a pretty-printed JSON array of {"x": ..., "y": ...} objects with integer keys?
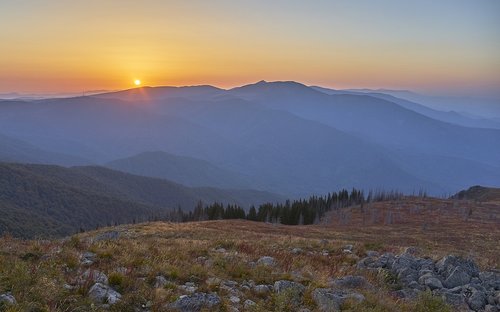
[
  {"x": 248, "y": 304},
  {"x": 213, "y": 281},
  {"x": 297, "y": 251},
  {"x": 348, "y": 248},
  {"x": 189, "y": 287},
  {"x": 457, "y": 277},
  {"x": 433, "y": 283},
  {"x": 490, "y": 308},
  {"x": 372, "y": 253},
  {"x": 448, "y": 264},
  {"x": 262, "y": 289},
  {"x": 88, "y": 258},
  {"x": 234, "y": 299},
  {"x": 331, "y": 300},
  {"x": 283, "y": 285},
  {"x": 351, "y": 281},
  {"x": 160, "y": 281},
  {"x": 266, "y": 261},
  {"x": 196, "y": 302},
  {"x": 477, "y": 300},
  {"x": 220, "y": 250},
  {"x": 7, "y": 299},
  {"x": 103, "y": 294}
]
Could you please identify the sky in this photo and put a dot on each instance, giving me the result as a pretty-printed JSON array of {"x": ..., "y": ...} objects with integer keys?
[{"x": 446, "y": 46}]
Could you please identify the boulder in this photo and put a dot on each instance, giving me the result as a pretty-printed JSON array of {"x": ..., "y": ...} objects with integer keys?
[
  {"x": 448, "y": 264},
  {"x": 433, "y": 283},
  {"x": 477, "y": 300},
  {"x": 7, "y": 299},
  {"x": 100, "y": 293},
  {"x": 160, "y": 281},
  {"x": 331, "y": 300},
  {"x": 196, "y": 302},
  {"x": 248, "y": 304},
  {"x": 88, "y": 258},
  {"x": 458, "y": 277},
  {"x": 262, "y": 289},
  {"x": 267, "y": 261},
  {"x": 283, "y": 285}
]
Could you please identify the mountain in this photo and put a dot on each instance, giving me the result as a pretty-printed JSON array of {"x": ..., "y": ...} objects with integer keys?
[
  {"x": 14, "y": 150},
  {"x": 282, "y": 137},
  {"x": 446, "y": 116},
  {"x": 188, "y": 171},
  {"x": 479, "y": 193},
  {"x": 52, "y": 200}
]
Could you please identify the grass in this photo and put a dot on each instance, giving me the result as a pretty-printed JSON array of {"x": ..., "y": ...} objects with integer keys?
[{"x": 36, "y": 270}]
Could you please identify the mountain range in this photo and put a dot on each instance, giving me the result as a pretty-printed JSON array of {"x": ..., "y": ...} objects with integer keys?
[{"x": 280, "y": 137}]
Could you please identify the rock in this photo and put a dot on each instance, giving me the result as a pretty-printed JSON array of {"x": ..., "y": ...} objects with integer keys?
[
  {"x": 348, "y": 248},
  {"x": 7, "y": 299},
  {"x": 262, "y": 289},
  {"x": 297, "y": 251},
  {"x": 234, "y": 299},
  {"x": 283, "y": 285},
  {"x": 160, "y": 281},
  {"x": 266, "y": 261},
  {"x": 411, "y": 250},
  {"x": 220, "y": 250},
  {"x": 457, "y": 277},
  {"x": 433, "y": 283},
  {"x": 490, "y": 308},
  {"x": 100, "y": 293},
  {"x": 350, "y": 281},
  {"x": 94, "y": 276},
  {"x": 88, "y": 258},
  {"x": 331, "y": 300},
  {"x": 196, "y": 302},
  {"x": 372, "y": 253},
  {"x": 490, "y": 280},
  {"x": 448, "y": 264},
  {"x": 477, "y": 300},
  {"x": 248, "y": 304},
  {"x": 189, "y": 287}
]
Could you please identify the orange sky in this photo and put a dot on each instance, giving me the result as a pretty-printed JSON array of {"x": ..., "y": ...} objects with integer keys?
[{"x": 71, "y": 46}]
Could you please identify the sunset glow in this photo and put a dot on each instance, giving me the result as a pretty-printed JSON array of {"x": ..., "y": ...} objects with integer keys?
[
  {"x": 137, "y": 82},
  {"x": 341, "y": 44}
]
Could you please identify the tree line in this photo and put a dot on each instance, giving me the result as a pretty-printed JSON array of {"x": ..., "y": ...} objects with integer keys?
[{"x": 291, "y": 212}]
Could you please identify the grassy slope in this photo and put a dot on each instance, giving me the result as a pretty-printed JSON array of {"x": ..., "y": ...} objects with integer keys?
[{"x": 436, "y": 228}]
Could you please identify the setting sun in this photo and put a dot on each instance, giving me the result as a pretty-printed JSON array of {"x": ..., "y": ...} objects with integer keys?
[{"x": 137, "y": 82}]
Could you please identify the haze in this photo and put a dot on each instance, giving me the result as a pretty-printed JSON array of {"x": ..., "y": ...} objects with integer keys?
[{"x": 434, "y": 47}]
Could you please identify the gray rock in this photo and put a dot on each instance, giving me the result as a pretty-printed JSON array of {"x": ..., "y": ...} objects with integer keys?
[
  {"x": 457, "y": 277},
  {"x": 100, "y": 293},
  {"x": 433, "y": 283},
  {"x": 372, "y": 253},
  {"x": 7, "y": 299},
  {"x": 351, "y": 281},
  {"x": 248, "y": 304},
  {"x": 160, "y": 281},
  {"x": 266, "y": 261},
  {"x": 283, "y": 285},
  {"x": 262, "y": 289},
  {"x": 196, "y": 302},
  {"x": 490, "y": 308},
  {"x": 448, "y": 264},
  {"x": 331, "y": 300},
  {"x": 490, "y": 280},
  {"x": 88, "y": 258},
  {"x": 477, "y": 300},
  {"x": 297, "y": 251},
  {"x": 348, "y": 248}
]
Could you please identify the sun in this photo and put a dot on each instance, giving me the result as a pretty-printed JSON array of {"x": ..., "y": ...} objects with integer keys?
[{"x": 137, "y": 82}]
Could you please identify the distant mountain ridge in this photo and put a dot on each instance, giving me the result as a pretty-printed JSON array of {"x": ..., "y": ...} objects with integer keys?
[{"x": 283, "y": 137}]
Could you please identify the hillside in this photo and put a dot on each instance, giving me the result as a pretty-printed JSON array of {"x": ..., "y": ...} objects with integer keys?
[
  {"x": 41, "y": 200},
  {"x": 349, "y": 263},
  {"x": 184, "y": 170},
  {"x": 479, "y": 193}
]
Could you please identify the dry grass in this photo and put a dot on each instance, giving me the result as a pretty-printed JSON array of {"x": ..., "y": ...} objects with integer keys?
[{"x": 35, "y": 271}]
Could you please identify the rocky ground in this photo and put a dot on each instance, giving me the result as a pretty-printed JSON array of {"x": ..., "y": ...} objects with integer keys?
[{"x": 248, "y": 266}]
